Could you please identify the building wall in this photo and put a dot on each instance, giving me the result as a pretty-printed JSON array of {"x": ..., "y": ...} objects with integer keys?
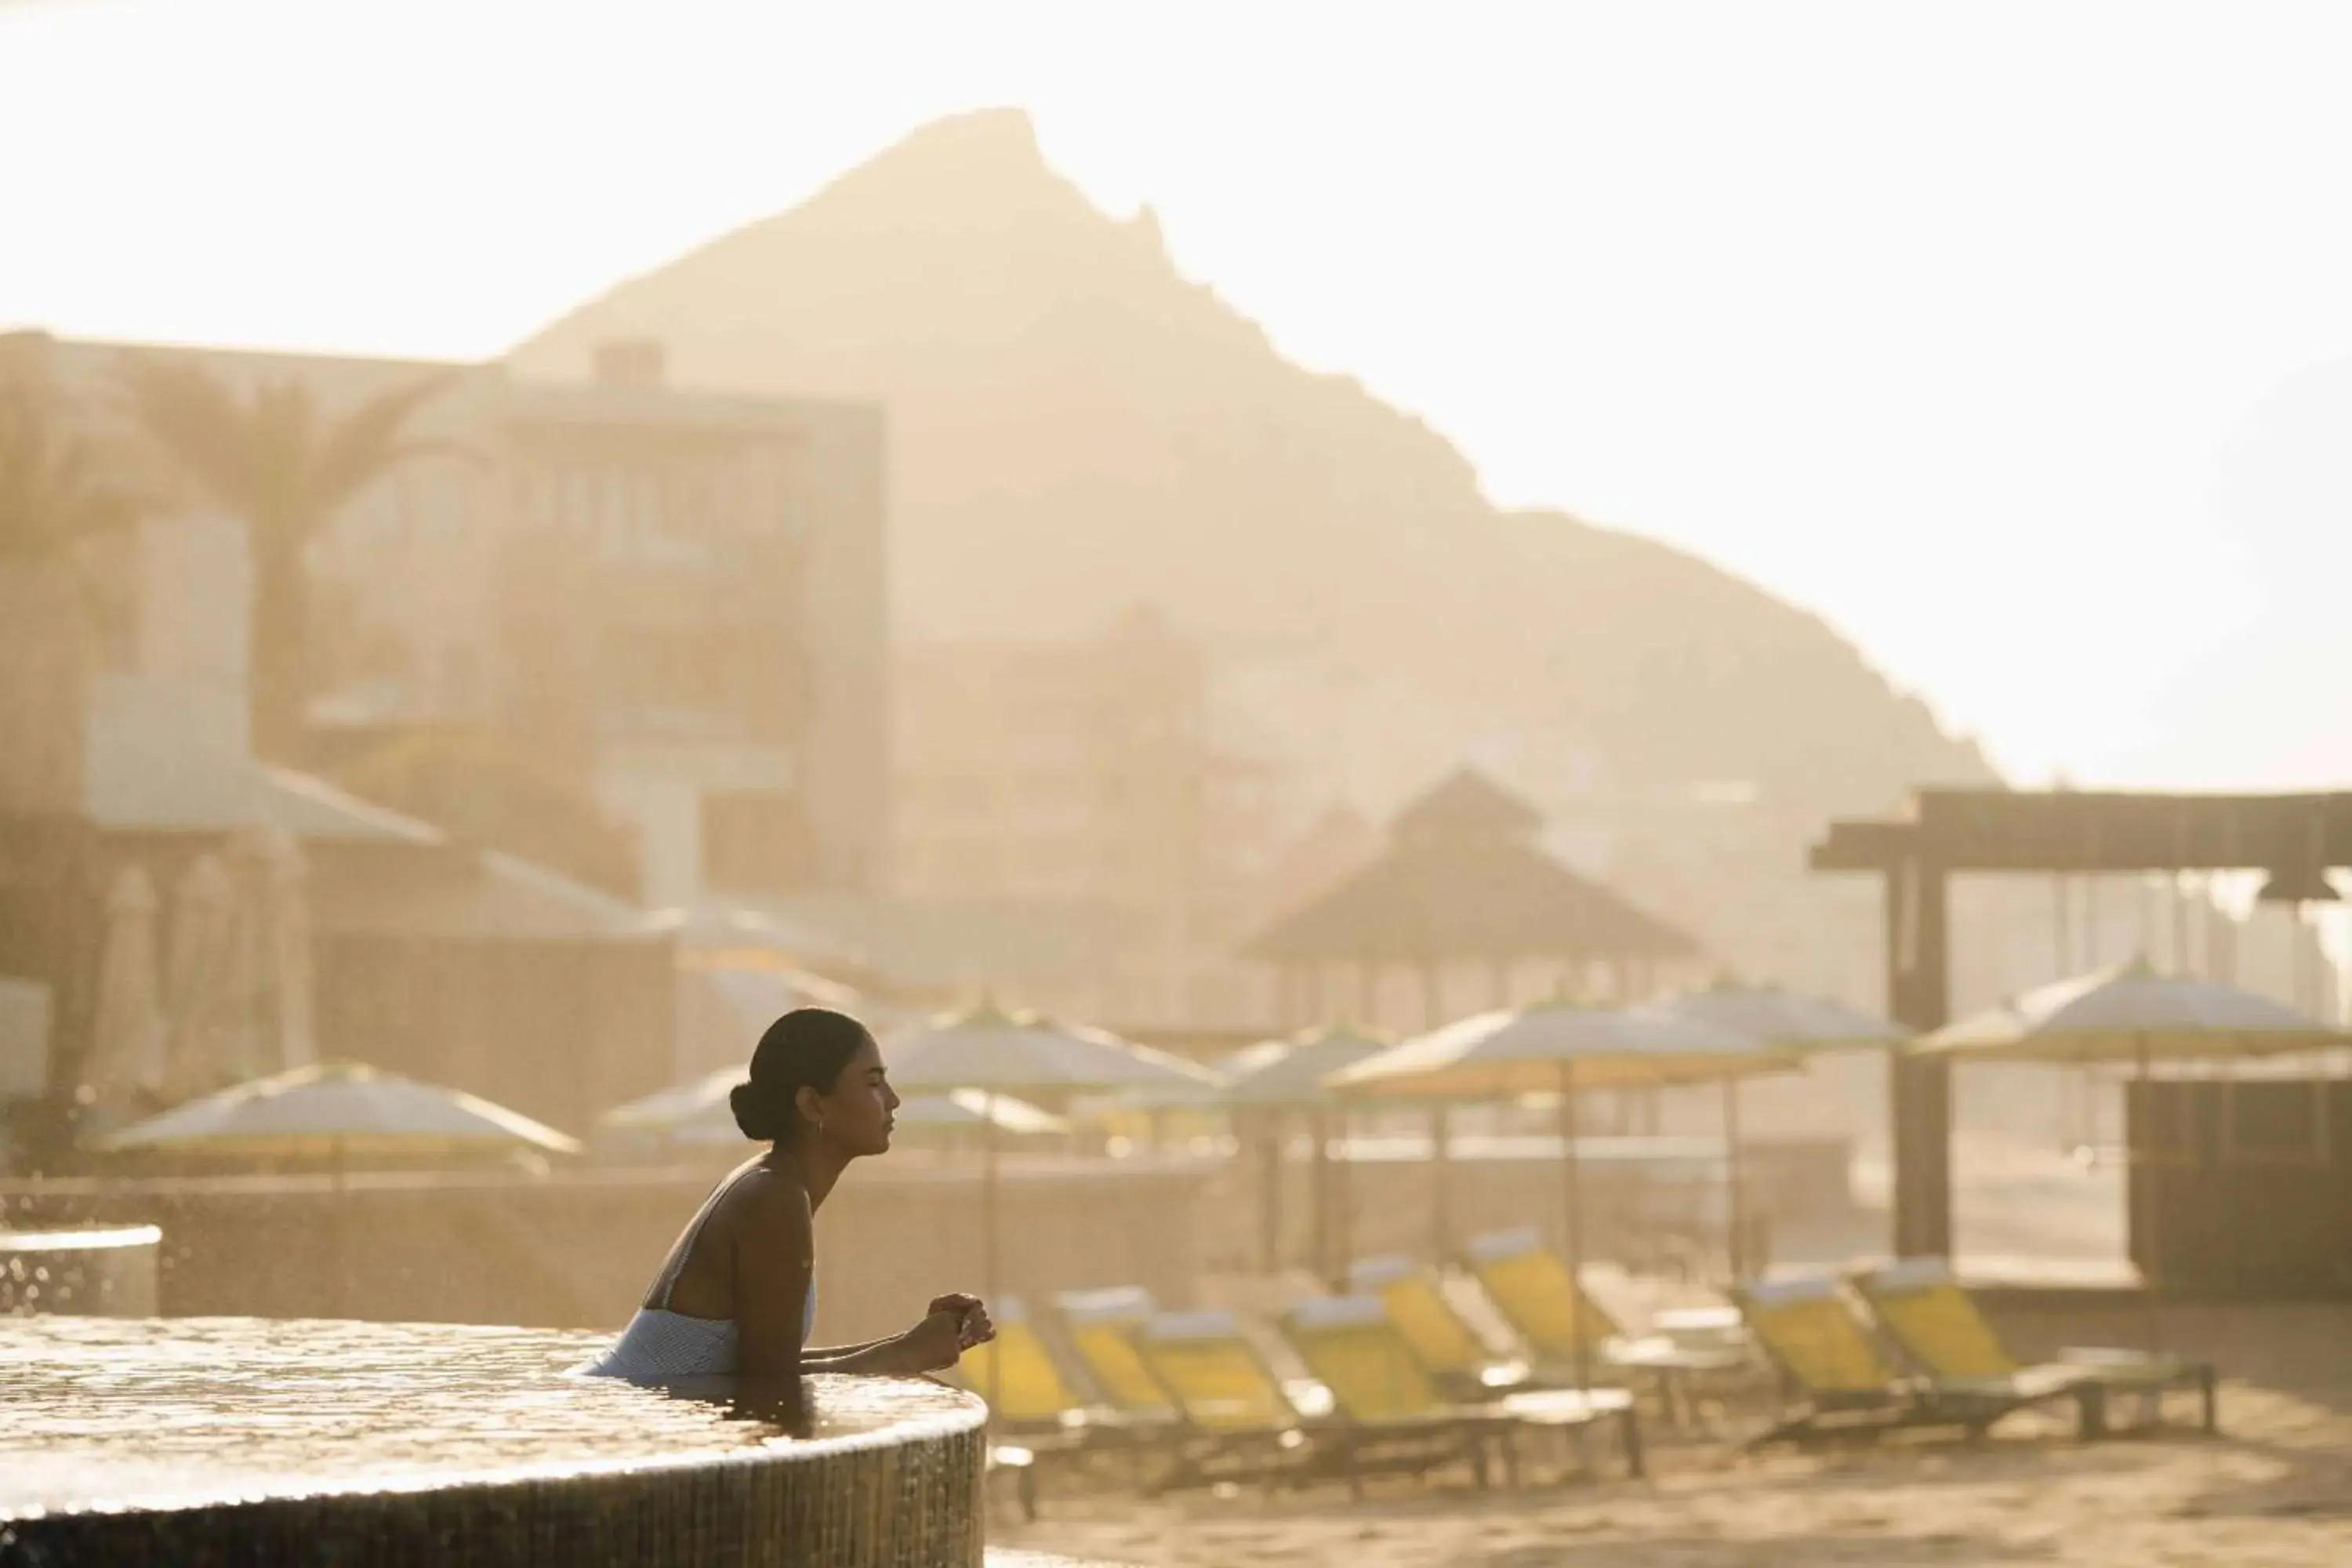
[
  {"x": 837, "y": 492},
  {"x": 1090, "y": 774},
  {"x": 561, "y": 551},
  {"x": 561, "y": 1031}
]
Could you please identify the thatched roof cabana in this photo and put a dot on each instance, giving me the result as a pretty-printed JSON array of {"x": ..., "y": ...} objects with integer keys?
[{"x": 1466, "y": 877}]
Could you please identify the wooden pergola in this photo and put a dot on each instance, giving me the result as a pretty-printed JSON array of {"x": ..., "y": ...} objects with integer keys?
[
  {"x": 1463, "y": 883},
  {"x": 2295, "y": 838}
]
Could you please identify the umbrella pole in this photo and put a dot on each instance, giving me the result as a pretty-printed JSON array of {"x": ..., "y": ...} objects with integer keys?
[
  {"x": 1323, "y": 1261},
  {"x": 1572, "y": 1193},
  {"x": 1343, "y": 1182},
  {"x": 1735, "y": 1251},
  {"x": 988, "y": 1233},
  {"x": 2152, "y": 1226},
  {"x": 337, "y": 1224},
  {"x": 1440, "y": 1224},
  {"x": 1269, "y": 1216}
]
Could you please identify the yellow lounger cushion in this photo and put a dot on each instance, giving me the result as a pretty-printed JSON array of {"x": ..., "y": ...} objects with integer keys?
[
  {"x": 1943, "y": 1328},
  {"x": 1214, "y": 1374},
  {"x": 1417, "y": 1306},
  {"x": 1350, "y": 1346},
  {"x": 1810, "y": 1331},
  {"x": 1531, "y": 1286},
  {"x": 1029, "y": 1385}
]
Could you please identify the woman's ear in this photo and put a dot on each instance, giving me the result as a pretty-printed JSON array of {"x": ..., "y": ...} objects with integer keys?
[{"x": 810, "y": 1105}]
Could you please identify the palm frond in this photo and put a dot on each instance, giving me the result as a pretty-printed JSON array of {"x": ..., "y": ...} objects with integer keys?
[
  {"x": 202, "y": 426},
  {"x": 56, "y": 491},
  {"x": 367, "y": 442}
]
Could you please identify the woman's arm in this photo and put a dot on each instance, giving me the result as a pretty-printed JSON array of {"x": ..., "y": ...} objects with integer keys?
[
  {"x": 829, "y": 1352},
  {"x": 775, "y": 1257}
]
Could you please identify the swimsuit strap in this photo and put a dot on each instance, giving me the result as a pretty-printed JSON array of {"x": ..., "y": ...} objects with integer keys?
[{"x": 710, "y": 1203}]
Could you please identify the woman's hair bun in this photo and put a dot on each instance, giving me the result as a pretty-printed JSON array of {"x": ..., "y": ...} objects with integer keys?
[
  {"x": 806, "y": 1048},
  {"x": 755, "y": 1113}
]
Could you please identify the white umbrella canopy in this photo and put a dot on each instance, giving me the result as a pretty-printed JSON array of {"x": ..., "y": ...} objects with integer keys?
[
  {"x": 337, "y": 1109},
  {"x": 1562, "y": 1048},
  {"x": 1504, "y": 1054},
  {"x": 2130, "y": 1013},
  {"x": 698, "y": 1112},
  {"x": 971, "y": 1107},
  {"x": 1789, "y": 1018},
  {"x": 1295, "y": 1073},
  {"x": 1026, "y": 1053}
]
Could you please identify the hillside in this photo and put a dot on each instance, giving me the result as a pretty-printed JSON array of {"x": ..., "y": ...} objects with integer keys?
[{"x": 1076, "y": 427}]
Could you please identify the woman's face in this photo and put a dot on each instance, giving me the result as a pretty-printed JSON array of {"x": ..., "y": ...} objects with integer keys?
[{"x": 857, "y": 1113}]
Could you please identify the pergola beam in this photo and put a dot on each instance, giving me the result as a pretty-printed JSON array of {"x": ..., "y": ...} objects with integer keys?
[{"x": 2085, "y": 832}]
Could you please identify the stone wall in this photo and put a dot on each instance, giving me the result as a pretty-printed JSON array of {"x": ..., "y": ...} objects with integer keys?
[{"x": 578, "y": 1249}]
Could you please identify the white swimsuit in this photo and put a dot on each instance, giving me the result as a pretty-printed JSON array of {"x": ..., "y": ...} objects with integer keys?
[{"x": 659, "y": 1345}]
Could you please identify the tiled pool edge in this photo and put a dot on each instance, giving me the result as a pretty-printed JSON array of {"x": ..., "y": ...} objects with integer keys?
[
  {"x": 912, "y": 1503},
  {"x": 244, "y": 1441}
]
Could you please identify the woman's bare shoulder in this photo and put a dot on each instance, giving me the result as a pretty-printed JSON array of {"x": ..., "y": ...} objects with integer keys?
[{"x": 766, "y": 1196}]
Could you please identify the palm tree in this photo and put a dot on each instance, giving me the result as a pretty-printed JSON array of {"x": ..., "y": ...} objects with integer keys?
[
  {"x": 287, "y": 469},
  {"x": 55, "y": 488},
  {"x": 61, "y": 500}
]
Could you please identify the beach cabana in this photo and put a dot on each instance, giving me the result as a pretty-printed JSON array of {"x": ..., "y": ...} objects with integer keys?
[{"x": 1464, "y": 884}]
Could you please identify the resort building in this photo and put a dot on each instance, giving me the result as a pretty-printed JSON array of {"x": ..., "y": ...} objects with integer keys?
[
  {"x": 1095, "y": 777},
  {"x": 674, "y": 602}
]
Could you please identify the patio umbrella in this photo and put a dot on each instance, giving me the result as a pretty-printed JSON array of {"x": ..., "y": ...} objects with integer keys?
[
  {"x": 996, "y": 1052},
  {"x": 126, "y": 1057},
  {"x": 2131, "y": 1014},
  {"x": 1791, "y": 1020},
  {"x": 698, "y": 1113},
  {"x": 1562, "y": 1048},
  {"x": 334, "y": 1111},
  {"x": 1274, "y": 1078}
]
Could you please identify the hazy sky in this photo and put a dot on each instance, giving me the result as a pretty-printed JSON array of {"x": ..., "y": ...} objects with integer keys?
[{"x": 2012, "y": 339}]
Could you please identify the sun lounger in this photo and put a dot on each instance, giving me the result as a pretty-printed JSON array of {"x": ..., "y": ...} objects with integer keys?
[
  {"x": 1938, "y": 1328},
  {"x": 1553, "y": 1313},
  {"x": 1240, "y": 1423},
  {"x": 1844, "y": 1385},
  {"x": 1101, "y": 1327},
  {"x": 1041, "y": 1416},
  {"x": 1380, "y": 1386},
  {"x": 1448, "y": 1348}
]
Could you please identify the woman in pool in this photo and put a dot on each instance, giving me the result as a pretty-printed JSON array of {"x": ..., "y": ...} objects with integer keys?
[{"x": 737, "y": 1295}]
